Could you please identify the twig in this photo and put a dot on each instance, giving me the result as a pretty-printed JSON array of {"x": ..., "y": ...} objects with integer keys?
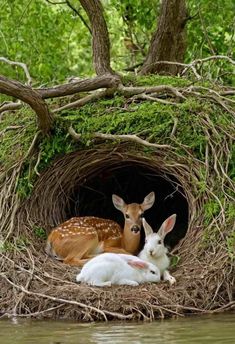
[
  {"x": 37, "y": 163},
  {"x": 56, "y": 2},
  {"x": 154, "y": 99},
  {"x": 79, "y": 15},
  {"x": 11, "y": 127},
  {"x": 70, "y": 302},
  {"x": 206, "y": 59},
  {"x": 10, "y": 106},
  {"x": 129, "y": 91},
  {"x": 29, "y": 280},
  {"x": 80, "y": 102},
  {"x": 132, "y": 138},
  {"x": 205, "y": 31},
  {"x": 174, "y": 127},
  {"x": 188, "y": 66},
  {"x": 20, "y": 64},
  {"x": 30, "y": 315}
]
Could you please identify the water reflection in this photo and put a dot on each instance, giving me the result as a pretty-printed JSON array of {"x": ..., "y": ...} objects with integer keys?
[{"x": 217, "y": 329}]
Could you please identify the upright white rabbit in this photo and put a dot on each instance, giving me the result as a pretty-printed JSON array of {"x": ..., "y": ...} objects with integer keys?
[
  {"x": 154, "y": 250},
  {"x": 112, "y": 268}
]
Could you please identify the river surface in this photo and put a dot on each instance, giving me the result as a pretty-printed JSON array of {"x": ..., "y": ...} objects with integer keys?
[{"x": 215, "y": 329}]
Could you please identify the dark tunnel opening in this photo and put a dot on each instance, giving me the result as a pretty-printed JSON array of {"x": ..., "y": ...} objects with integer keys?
[{"x": 133, "y": 182}]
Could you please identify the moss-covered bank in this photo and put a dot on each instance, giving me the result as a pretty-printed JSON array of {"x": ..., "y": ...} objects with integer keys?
[{"x": 195, "y": 141}]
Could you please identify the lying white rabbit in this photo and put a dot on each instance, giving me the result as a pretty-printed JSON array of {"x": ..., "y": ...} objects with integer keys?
[
  {"x": 154, "y": 250},
  {"x": 112, "y": 268}
]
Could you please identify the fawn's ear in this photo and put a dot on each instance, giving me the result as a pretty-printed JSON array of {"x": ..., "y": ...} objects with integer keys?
[
  {"x": 148, "y": 201},
  {"x": 167, "y": 226},
  {"x": 137, "y": 264},
  {"x": 147, "y": 228},
  {"x": 118, "y": 202}
]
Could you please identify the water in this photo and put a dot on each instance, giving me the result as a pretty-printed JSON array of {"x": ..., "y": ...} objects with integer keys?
[{"x": 216, "y": 329}]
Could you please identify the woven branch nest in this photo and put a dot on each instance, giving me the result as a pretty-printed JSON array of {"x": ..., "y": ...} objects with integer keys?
[{"x": 205, "y": 276}]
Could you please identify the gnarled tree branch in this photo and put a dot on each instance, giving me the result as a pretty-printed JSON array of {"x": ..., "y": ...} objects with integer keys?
[
  {"x": 32, "y": 97},
  {"x": 102, "y": 81}
]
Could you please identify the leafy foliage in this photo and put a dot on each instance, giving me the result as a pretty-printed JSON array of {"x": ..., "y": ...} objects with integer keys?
[
  {"x": 48, "y": 38},
  {"x": 55, "y": 44}
]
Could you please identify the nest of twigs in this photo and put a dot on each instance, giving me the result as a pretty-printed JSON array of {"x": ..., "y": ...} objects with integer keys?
[
  {"x": 34, "y": 285},
  {"x": 200, "y": 174}
]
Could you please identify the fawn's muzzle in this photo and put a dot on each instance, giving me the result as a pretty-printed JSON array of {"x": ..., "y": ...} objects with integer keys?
[{"x": 135, "y": 229}]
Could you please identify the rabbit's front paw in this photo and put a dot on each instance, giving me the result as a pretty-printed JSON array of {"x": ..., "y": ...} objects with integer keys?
[
  {"x": 167, "y": 277},
  {"x": 171, "y": 280}
]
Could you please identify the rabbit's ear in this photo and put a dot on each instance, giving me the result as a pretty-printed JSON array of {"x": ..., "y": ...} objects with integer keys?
[
  {"x": 137, "y": 264},
  {"x": 118, "y": 202},
  {"x": 167, "y": 226},
  {"x": 147, "y": 228}
]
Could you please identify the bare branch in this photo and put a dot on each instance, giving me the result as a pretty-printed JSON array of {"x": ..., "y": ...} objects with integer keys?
[
  {"x": 131, "y": 138},
  {"x": 80, "y": 102},
  {"x": 102, "y": 81},
  {"x": 20, "y": 64},
  {"x": 192, "y": 64},
  {"x": 11, "y": 127},
  {"x": 68, "y": 3},
  {"x": 215, "y": 57},
  {"x": 79, "y": 15},
  {"x": 56, "y": 2},
  {"x": 128, "y": 91},
  {"x": 212, "y": 50},
  {"x": 10, "y": 106},
  {"x": 153, "y": 99}
]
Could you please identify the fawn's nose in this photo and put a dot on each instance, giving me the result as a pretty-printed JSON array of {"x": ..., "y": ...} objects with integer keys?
[{"x": 135, "y": 229}]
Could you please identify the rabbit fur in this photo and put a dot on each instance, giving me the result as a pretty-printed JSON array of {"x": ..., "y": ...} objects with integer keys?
[
  {"x": 112, "y": 268},
  {"x": 154, "y": 250}
]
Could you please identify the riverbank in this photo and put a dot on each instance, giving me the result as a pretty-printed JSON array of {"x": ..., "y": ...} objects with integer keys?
[{"x": 184, "y": 152}]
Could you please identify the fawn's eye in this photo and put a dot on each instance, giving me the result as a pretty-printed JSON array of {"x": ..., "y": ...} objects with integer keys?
[
  {"x": 127, "y": 216},
  {"x": 153, "y": 272}
]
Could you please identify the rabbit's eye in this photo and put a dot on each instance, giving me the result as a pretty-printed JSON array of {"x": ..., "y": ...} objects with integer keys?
[
  {"x": 142, "y": 215},
  {"x": 127, "y": 216},
  {"x": 160, "y": 242},
  {"x": 153, "y": 272}
]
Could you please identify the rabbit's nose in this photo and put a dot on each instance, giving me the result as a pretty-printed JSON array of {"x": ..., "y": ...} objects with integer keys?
[{"x": 151, "y": 252}]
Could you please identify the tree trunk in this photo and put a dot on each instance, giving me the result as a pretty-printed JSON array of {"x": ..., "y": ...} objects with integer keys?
[
  {"x": 168, "y": 41},
  {"x": 100, "y": 36}
]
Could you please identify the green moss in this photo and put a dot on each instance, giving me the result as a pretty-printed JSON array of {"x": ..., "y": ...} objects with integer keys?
[
  {"x": 153, "y": 80},
  {"x": 230, "y": 241},
  {"x": 40, "y": 232},
  {"x": 19, "y": 244}
]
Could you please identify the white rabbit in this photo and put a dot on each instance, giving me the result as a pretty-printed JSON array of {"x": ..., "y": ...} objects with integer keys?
[
  {"x": 112, "y": 268},
  {"x": 154, "y": 250}
]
